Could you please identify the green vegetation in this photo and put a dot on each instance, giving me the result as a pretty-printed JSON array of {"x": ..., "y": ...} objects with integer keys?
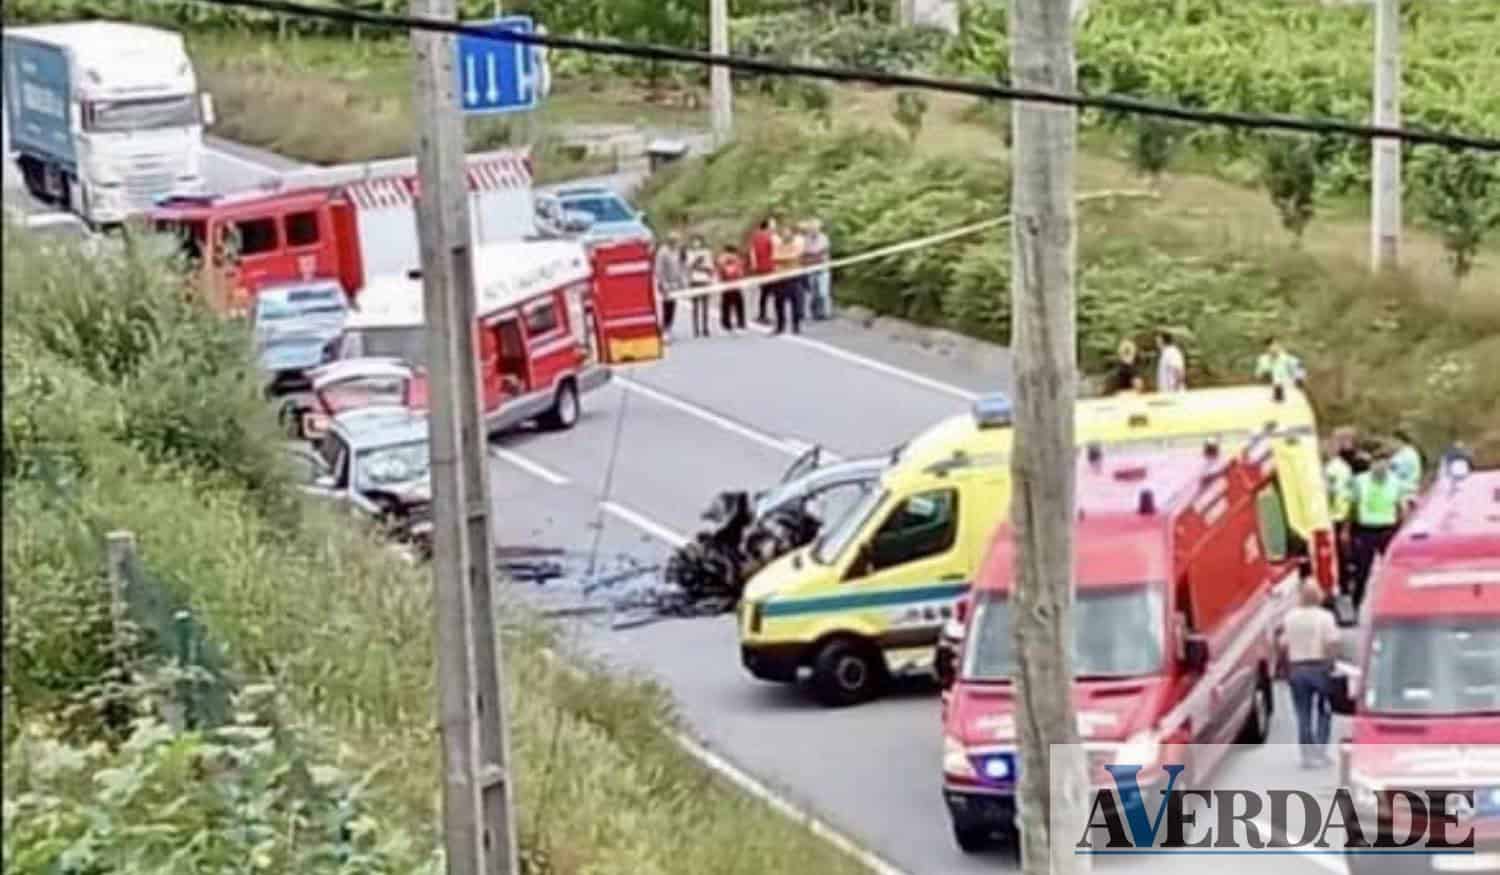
[
  {"x": 1143, "y": 265},
  {"x": 1279, "y": 56},
  {"x": 129, "y": 407}
]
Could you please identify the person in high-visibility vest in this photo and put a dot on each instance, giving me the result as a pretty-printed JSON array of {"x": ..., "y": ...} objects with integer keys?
[
  {"x": 1340, "y": 482},
  {"x": 1277, "y": 366},
  {"x": 1378, "y": 498},
  {"x": 1406, "y": 464}
]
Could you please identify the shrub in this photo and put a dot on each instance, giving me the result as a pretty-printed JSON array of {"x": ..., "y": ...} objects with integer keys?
[
  {"x": 1290, "y": 175},
  {"x": 1460, "y": 196}
]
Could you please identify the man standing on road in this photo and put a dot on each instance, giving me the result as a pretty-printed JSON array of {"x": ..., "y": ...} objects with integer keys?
[
  {"x": 732, "y": 301},
  {"x": 1339, "y": 479},
  {"x": 1171, "y": 366},
  {"x": 1378, "y": 496},
  {"x": 820, "y": 284},
  {"x": 1311, "y": 639},
  {"x": 671, "y": 277},
  {"x": 1406, "y": 464},
  {"x": 761, "y": 248},
  {"x": 787, "y": 256}
]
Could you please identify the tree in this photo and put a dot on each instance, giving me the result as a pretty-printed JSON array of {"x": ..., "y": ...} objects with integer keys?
[
  {"x": 1044, "y": 342},
  {"x": 1152, "y": 146},
  {"x": 911, "y": 107},
  {"x": 1290, "y": 173},
  {"x": 1459, "y": 195}
]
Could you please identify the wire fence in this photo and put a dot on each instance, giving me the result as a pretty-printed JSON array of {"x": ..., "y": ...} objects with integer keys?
[{"x": 146, "y": 606}]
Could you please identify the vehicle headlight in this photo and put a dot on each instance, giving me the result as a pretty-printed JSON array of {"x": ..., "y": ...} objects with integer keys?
[{"x": 956, "y": 759}]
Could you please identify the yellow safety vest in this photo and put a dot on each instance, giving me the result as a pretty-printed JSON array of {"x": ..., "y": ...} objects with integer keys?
[
  {"x": 1379, "y": 503},
  {"x": 1340, "y": 479}
]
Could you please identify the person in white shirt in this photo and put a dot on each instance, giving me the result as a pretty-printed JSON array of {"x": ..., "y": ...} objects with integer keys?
[
  {"x": 1171, "y": 366},
  {"x": 1310, "y": 638}
]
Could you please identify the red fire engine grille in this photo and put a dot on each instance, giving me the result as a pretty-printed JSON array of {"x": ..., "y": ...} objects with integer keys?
[{"x": 491, "y": 174}]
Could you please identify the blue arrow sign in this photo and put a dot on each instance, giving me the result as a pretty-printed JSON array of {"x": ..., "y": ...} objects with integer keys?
[{"x": 498, "y": 75}]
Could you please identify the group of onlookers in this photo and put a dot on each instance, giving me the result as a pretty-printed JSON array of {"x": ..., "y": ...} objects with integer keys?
[{"x": 773, "y": 249}]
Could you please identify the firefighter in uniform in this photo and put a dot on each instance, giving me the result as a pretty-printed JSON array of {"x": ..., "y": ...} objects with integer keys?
[{"x": 1378, "y": 497}]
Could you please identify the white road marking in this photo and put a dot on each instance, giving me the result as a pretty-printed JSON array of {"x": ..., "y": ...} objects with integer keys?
[
  {"x": 817, "y": 827},
  {"x": 778, "y": 444},
  {"x": 529, "y": 466},
  {"x": 747, "y": 784},
  {"x": 876, "y": 365},
  {"x": 644, "y": 523}
]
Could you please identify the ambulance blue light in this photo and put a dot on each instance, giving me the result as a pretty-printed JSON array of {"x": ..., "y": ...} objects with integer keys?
[
  {"x": 993, "y": 411},
  {"x": 996, "y": 767}
]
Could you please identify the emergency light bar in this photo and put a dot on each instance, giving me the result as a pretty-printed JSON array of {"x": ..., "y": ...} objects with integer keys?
[
  {"x": 993, "y": 411},
  {"x": 1455, "y": 578}
]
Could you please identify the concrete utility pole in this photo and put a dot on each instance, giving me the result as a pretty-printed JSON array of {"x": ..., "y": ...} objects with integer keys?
[
  {"x": 1053, "y": 782},
  {"x": 721, "y": 92},
  {"x": 1385, "y": 170},
  {"x": 478, "y": 823}
]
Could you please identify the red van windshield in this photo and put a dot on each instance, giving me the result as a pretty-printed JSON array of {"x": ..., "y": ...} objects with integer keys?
[
  {"x": 1118, "y": 632},
  {"x": 1449, "y": 666}
]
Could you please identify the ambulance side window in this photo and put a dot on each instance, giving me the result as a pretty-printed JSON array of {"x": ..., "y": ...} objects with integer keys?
[
  {"x": 1271, "y": 514},
  {"x": 541, "y": 319},
  {"x": 924, "y": 525}
]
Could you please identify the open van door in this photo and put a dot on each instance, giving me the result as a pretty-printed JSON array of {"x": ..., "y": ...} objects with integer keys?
[{"x": 626, "y": 321}]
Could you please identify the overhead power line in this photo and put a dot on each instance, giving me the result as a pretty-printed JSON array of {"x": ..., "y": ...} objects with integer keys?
[{"x": 1105, "y": 102}]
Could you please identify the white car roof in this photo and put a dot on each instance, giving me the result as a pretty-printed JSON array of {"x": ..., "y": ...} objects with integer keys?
[{"x": 505, "y": 274}]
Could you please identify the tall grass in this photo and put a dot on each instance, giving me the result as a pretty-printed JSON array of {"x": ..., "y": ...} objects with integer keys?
[{"x": 296, "y": 597}]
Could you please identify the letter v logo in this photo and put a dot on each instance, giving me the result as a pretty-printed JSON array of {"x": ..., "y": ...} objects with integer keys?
[{"x": 1142, "y": 830}]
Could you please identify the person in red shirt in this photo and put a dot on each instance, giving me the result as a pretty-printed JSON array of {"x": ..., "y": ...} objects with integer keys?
[
  {"x": 732, "y": 301},
  {"x": 761, "y": 244}
]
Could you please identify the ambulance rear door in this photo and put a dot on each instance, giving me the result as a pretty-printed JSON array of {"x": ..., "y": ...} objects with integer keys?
[{"x": 624, "y": 311}]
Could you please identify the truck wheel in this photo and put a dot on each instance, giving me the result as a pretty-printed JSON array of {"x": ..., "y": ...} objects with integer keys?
[
  {"x": 847, "y": 672},
  {"x": 565, "y": 409},
  {"x": 32, "y": 174},
  {"x": 971, "y": 840},
  {"x": 1258, "y": 723}
]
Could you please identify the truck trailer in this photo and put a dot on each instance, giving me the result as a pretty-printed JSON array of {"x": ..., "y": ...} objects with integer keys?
[{"x": 104, "y": 116}]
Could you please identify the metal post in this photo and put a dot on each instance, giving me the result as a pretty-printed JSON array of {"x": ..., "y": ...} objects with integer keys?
[
  {"x": 1385, "y": 171},
  {"x": 121, "y": 552},
  {"x": 477, "y": 811},
  {"x": 721, "y": 93}
]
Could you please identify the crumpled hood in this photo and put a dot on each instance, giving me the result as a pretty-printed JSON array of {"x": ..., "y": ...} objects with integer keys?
[{"x": 412, "y": 492}]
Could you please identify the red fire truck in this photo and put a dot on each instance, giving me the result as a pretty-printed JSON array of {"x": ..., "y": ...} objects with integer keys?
[
  {"x": 352, "y": 223},
  {"x": 1184, "y": 574},
  {"x": 1425, "y": 698},
  {"x": 551, "y": 316}
]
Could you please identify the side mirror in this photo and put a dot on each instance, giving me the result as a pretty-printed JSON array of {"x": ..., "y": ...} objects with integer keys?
[
  {"x": 945, "y": 663},
  {"x": 1195, "y": 653},
  {"x": 206, "y": 109}
]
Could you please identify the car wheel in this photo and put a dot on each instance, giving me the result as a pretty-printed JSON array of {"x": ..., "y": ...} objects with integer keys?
[
  {"x": 971, "y": 840},
  {"x": 1257, "y": 726},
  {"x": 565, "y": 409},
  {"x": 847, "y": 672}
]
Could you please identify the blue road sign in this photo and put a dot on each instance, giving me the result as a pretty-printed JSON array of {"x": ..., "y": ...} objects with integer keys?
[{"x": 498, "y": 75}]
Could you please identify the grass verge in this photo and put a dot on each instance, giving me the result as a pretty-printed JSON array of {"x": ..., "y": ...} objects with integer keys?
[{"x": 129, "y": 408}]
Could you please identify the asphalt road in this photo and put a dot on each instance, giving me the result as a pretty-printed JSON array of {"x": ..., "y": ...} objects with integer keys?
[
  {"x": 732, "y": 412},
  {"x": 632, "y": 478}
]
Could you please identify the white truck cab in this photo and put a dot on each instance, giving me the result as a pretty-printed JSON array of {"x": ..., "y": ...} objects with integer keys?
[{"x": 104, "y": 116}]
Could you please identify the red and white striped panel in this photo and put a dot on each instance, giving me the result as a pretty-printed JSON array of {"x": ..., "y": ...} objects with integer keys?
[{"x": 507, "y": 172}]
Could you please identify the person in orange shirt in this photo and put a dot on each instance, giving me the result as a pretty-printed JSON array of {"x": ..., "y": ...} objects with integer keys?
[
  {"x": 787, "y": 255},
  {"x": 731, "y": 301}
]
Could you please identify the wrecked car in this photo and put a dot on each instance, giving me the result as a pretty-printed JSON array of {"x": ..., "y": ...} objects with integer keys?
[
  {"x": 749, "y": 531},
  {"x": 376, "y": 461}
]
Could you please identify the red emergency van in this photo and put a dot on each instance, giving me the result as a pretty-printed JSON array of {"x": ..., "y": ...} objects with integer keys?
[
  {"x": 551, "y": 314},
  {"x": 1425, "y": 695},
  {"x": 1184, "y": 574},
  {"x": 351, "y": 223}
]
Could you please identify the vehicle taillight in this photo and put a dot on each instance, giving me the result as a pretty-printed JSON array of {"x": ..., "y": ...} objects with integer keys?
[{"x": 1325, "y": 560}]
